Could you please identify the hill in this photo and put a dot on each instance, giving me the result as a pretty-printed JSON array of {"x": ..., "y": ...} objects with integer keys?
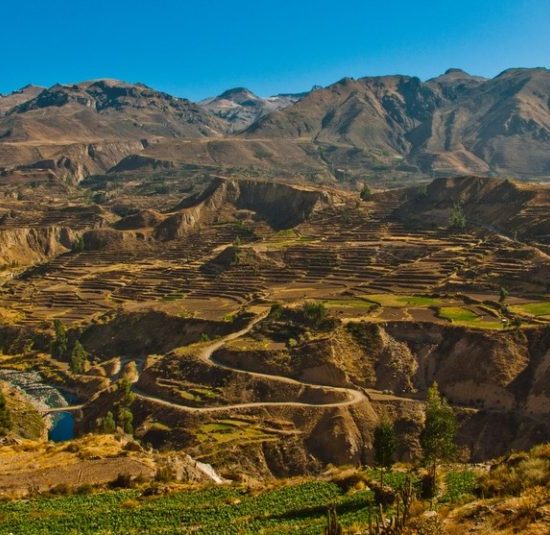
[
  {"x": 80, "y": 129},
  {"x": 387, "y": 130},
  {"x": 7, "y": 102},
  {"x": 455, "y": 123}
]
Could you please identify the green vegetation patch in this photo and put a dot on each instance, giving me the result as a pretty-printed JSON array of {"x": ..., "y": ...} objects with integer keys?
[
  {"x": 285, "y": 238},
  {"x": 537, "y": 309},
  {"x": 233, "y": 430},
  {"x": 223, "y": 510},
  {"x": 467, "y": 318},
  {"x": 173, "y": 296},
  {"x": 459, "y": 485},
  {"x": 349, "y": 303},
  {"x": 456, "y": 314},
  {"x": 398, "y": 301}
]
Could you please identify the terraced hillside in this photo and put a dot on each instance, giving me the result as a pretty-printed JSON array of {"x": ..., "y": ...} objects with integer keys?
[{"x": 204, "y": 303}]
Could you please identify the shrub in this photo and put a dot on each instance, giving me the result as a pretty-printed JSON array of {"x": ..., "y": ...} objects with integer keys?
[
  {"x": 314, "y": 312},
  {"x": 276, "y": 311},
  {"x": 84, "y": 489},
  {"x": 365, "y": 193},
  {"x": 457, "y": 219},
  {"x": 122, "y": 481},
  {"x": 108, "y": 425},
  {"x": 165, "y": 474},
  {"x": 61, "y": 490},
  {"x": 78, "y": 245}
]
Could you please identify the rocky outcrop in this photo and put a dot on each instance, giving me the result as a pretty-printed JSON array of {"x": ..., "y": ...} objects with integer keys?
[
  {"x": 497, "y": 204},
  {"x": 143, "y": 163},
  {"x": 281, "y": 205},
  {"x": 75, "y": 161},
  {"x": 336, "y": 438},
  {"x": 142, "y": 219},
  {"x": 494, "y": 370},
  {"x": 143, "y": 333},
  {"x": 23, "y": 246}
]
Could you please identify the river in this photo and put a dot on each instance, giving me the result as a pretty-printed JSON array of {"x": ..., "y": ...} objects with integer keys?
[{"x": 42, "y": 395}]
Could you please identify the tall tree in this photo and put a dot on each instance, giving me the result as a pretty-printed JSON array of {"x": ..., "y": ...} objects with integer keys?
[
  {"x": 79, "y": 358},
  {"x": 438, "y": 436},
  {"x": 126, "y": 420},
  {"x": 385, "y": 445},
  {"x": 60, "y": 344}
]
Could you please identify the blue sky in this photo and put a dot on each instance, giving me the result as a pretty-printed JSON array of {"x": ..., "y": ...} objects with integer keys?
[{"x": 200, "y": 48}]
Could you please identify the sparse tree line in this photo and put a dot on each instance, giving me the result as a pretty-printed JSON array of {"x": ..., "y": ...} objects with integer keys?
[
  {"x": 121, "y": 416},
  {"x": 63, "y": 349}
]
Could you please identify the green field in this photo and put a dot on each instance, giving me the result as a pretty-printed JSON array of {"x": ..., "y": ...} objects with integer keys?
[
  {"x": 349, "y": 303},
  {"x": 399, "y": 301},
  {"x": 538, "y": 309},
  {"x": 224, "y": 510},
  {"x": 466, "y": 318}
]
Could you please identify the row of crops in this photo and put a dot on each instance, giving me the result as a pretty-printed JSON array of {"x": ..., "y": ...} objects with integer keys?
[
  {"x": 220, "y": 510},
  {"x": 224, "y": 510}
]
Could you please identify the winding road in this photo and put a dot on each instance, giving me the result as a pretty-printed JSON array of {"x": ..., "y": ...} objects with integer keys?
[
  {"x": 207, "y": 356},
  {"x": 353, "y": 396}
]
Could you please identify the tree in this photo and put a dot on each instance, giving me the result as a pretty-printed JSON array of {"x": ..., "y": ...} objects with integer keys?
[
  {"x": 78, "y": 245},
  {"x": 126, "y": 420},
  {"x": 78, "y": 358},
  {"x": 5, "y": 416},
  {"x": 365, "y": 193},
  {"x": 438, "y": 437},
  {"x": 60, "y": 344},
  {"x": 504, "y": 293},
  {"x": 385, "y": 445},
  {"x": 457, "y": 219},
  {"x": 108, "y": 424},
  {"x": 128, "y": 397}
]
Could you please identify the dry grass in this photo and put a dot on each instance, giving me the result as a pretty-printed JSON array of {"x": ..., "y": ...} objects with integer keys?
[{"x": 516, "y": 494}]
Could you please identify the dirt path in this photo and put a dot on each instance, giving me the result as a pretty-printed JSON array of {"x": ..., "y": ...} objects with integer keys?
[{"x": 206, "y": 355}]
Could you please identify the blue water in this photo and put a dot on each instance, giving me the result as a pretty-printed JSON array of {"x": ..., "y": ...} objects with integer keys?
[{"x": 62, "y": 427}]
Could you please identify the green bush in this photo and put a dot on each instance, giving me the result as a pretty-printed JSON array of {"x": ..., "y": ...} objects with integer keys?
[{"x": 314, "y": 312}]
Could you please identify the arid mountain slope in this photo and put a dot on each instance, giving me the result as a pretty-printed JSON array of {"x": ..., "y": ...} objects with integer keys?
[
  {"x": 375, "y": 128},
  {"x": 15, "y": 98},
  {"x": 104, "y": 110},
  {"x": 89, "y": 127},
  {"x": 456, "y": 123}
]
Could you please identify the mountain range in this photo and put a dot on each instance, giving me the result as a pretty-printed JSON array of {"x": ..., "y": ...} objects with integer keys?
[{"x": 453, "y": 124}]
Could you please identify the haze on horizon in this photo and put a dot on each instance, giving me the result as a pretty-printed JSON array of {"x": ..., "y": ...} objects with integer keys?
[{"x": 195, "y": 50}]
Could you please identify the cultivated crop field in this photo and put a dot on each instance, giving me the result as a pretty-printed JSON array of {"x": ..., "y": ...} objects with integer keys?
[
  {"x": 222, "y": 510},
  {"x": 225, "y": 510}
]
